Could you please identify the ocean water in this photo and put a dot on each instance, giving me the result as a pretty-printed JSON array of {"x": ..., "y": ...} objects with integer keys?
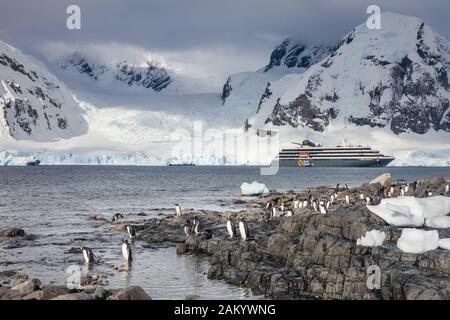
[{"x": 53, "y": 203}]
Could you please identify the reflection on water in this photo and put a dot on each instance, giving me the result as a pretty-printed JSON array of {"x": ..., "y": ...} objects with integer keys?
[{"x": 53, "y": 203}]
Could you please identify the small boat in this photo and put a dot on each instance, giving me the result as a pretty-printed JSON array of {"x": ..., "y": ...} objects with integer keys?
[
  {"x": 190, "y": 164},
  {"x": 33, "y": 163}
]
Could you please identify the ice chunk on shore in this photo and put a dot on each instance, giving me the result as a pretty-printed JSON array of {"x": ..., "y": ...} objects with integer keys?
[
  {"x": 384, "y": 180},
  {"x": 401, "y": 211},
  {"x": 435, "y": 206},
  {"x": 371, "y": 239},
  {"x": 444, "y": 243},
  {"x": 438, "y": 222},
  {"x": 418, "y": 241},
  {"x": 253, "y": 189}
]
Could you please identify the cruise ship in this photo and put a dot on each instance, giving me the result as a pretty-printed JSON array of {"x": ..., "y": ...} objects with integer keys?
[{"x": 308, "y": 154}]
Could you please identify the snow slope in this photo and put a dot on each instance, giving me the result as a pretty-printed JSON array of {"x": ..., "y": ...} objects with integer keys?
[{"x": 35, "y": 104}]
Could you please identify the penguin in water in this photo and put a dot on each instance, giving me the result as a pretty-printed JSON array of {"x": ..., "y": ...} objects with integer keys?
[
  {"x": 116, "y": 217},
  {"x": 178, "y": 210},
  {"x": 187, "y": 228},
  {"x": 88, "y": 255},
  {"x": 131, "y": 231},
  {"x": 243, "y": 230},
  {"x": 231, "y": 228},
  {"x": 126, "y": 251}
]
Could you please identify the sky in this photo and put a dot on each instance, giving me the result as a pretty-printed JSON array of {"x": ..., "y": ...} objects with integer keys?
[{"x": 207, "y": 39}]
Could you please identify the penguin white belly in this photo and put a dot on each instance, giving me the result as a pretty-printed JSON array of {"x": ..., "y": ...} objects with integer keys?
[
  {"x": 242, "y": 231},
  {"x": 86, "y": 256},
  {"x": 125, "y": 252},
  {"x": 178, "y": 211},
  {"x": 230, "y": 229}
]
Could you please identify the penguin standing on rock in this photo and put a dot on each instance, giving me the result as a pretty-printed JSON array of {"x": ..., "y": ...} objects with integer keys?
[
  {"x": 274, "y": 212},
  {"x": 447, "y": 188},
  {"x": 305, "y": 204},
  {"x": 198, "y": 229},
  {"x": 322, "y": 208},
  {"x": 131, "y": 231},
  {"x": 288, "y": 213},
  {"x": 347, "y": 199},
  {"x": 126, "y": 251},
  {"x": 88, "y": 255},
  {"x": 116, "y": 217},
  {"x": 231, "y": 228},
  {"x": 187, "y": 228},
  {"x": 243, "y": 230},
  {"x": 178, "y": 210}
]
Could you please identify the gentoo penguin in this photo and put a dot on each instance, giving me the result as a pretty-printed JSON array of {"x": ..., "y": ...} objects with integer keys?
[
  {"x": 407, "y": 188},
  {"x": 447, "y": 188},
  {"x": 288, "y": 213},
  {"x": 198, "y": 228},
  {"x": 337, "y": 187},
  {"x": 347, "y": 199},
  {"x": 194, "y": 223},
  {"x": 187, "y": 229},
  {"x": 88, "y": 254},
  {"x": 402, "y": 191},
  {"x": 429, "y": 193},
  {"x": 243, "y": 229},
  {"x": 391, "y": 190},
  {"x": 322, "y": 209},
  {"x": 269, "y": 206},
  {"x": 131, "y": 231},
  {"x": 305, "y": 204},
  {"x": 231, "y": 227},
  {"x": 332, "y": 198},
  {"x": 361, "y": 196},
  {"x": 116, "y": 217},
  {"x": 126, "y": 250},
  {"x": 282, "y": 207},
  {"x": 346, "y": 187},
  {"x": 314, "y": 204},
  {"x": 296, "y": 204},
  {"x": 274, "y": 212},
  {"x": 177, "y": 210},
  {"x": 328, "y": 205},
  {"x": 369, "y": 200}
]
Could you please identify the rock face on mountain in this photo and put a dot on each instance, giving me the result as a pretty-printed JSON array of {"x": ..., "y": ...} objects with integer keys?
[
  {"x": 151, "y": 76},
  {"x": 34, "y": 104},
  {"x": 396, "y": 77},
  {"x": 296, "y": 55}
]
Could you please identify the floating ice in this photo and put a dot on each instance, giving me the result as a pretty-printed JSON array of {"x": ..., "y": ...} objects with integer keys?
[
  {"x": 418, "y": 241},
  {"x": 444, "y": 243},
  {"x": 253, "y": 189},
  {"x": 438, "y": 222},
  {"x": 372, "y": 239}
]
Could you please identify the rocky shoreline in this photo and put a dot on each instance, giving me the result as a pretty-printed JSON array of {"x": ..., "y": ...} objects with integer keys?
[{"x": 304, "y": 256}]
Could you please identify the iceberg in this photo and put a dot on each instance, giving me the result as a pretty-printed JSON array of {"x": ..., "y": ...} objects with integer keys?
[
  {"x": 372, "y": 239},
  {"x": 400, "y": 212},
  {"x": 444, "y": 243},
  {"x": 418, "y": 241},
  {"x": 253, "y": 189},
  {"x": 411, "y": 211},
  {"x": 438, "y": 222}
]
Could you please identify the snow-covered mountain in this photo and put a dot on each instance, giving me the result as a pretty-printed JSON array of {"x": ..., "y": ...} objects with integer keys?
[
  {"x": 109, "y": 75},
  {"x": 34, "y": 104},
  {"x": 395, "y": 78}
]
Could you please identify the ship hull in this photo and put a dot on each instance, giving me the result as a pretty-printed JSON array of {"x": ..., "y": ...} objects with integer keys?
[{"x": 383, "y": 162}]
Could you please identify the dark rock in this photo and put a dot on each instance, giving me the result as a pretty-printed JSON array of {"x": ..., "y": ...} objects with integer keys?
[
  {"x": 130, "y": 293},
  {"x": 75, "y": 296},
  {"x": 14, "y": 232}
]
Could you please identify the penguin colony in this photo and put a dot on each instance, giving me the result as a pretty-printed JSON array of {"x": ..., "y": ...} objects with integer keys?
[{"x": 238, "y": 227}]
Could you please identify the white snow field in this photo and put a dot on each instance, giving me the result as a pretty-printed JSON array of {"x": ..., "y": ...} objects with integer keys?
[
  {"x": 253, "y": 189},
  {"x": 372, "y": 238},
  {"x": 418, "y": 241}
]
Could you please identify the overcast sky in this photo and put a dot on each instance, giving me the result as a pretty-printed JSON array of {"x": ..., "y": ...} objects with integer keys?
[{"x": 212, "y": 38}]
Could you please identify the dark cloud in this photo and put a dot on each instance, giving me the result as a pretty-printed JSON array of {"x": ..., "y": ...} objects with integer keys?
[{"x": 252, "y": 27}]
